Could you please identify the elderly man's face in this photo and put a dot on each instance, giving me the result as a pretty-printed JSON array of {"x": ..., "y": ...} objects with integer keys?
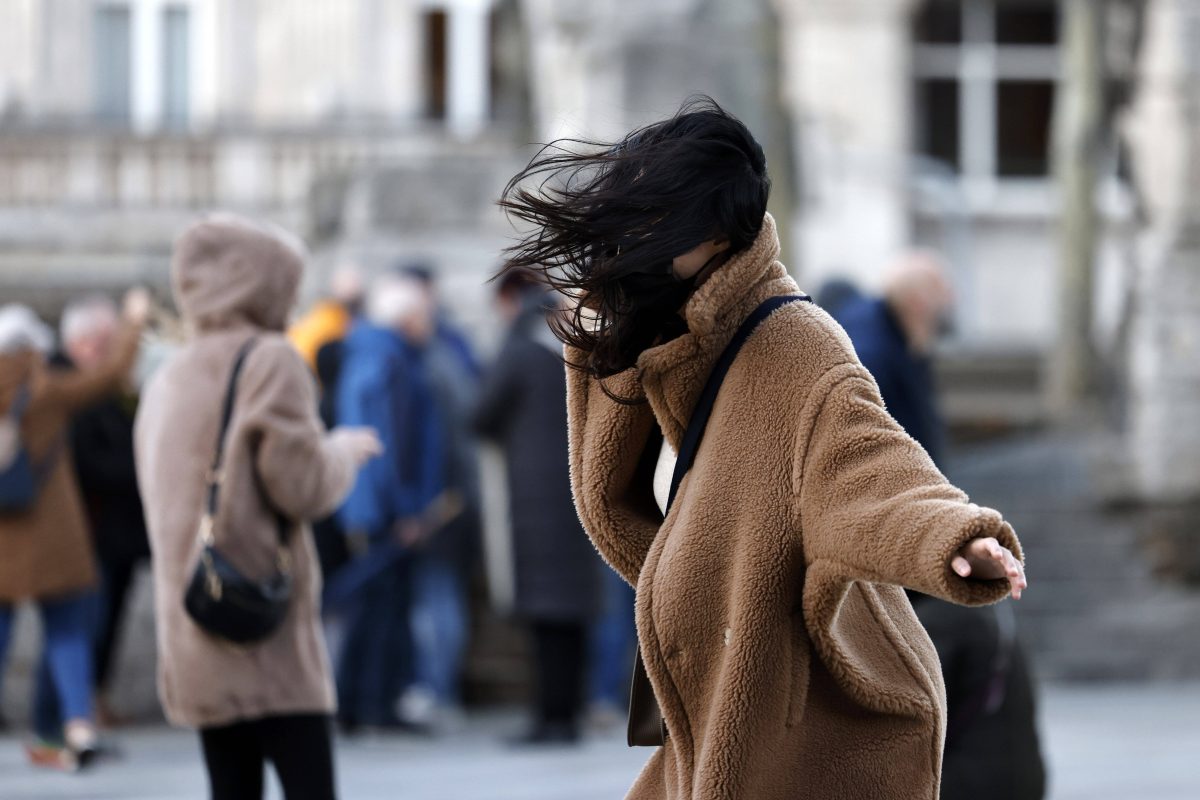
[{"x": 91, "y": 349}]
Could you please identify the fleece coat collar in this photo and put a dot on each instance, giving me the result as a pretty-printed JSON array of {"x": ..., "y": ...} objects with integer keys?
[{"x": 673, "y": 374}]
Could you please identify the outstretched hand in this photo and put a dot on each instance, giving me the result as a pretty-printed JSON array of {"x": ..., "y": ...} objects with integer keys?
[{"x": 986, "y": 559}]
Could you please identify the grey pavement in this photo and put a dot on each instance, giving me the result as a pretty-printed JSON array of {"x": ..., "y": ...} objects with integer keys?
[{"x": 1103, "y": 743}]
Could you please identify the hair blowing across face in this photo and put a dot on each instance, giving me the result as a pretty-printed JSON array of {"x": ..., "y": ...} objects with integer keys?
[{"x": 605, "y": 221}]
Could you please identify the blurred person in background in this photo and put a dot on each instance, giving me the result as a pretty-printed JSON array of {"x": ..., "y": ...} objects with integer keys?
[
  {"x": 449, "y": 556},
  {"x": 269, "y": 701},
  {"x": 101, "y": 438},
  {"x": 992, "y": 749},
  {"x": 386, "y": 517},
  {"x": 558, "y": 587},
  {"x": 102, "y": 447},
  {"x": 446, "y": 334},
  {"x": 45, "y": 548},
  {"x": 329, "y": 319},
  {"x": 783, "y": 655},
  {"x": 320, "y": 337},
  {"x": 837, "y": 293},
  {"x": 612, "y": 641}
]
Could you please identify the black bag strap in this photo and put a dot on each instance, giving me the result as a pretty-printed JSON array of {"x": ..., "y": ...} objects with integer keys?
[
  {"x": 708, "y": 398},
  {"x": 216, "y": 477}
]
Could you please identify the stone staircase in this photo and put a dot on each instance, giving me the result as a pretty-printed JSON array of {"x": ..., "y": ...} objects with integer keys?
[{"x": 1105, "y": 601}]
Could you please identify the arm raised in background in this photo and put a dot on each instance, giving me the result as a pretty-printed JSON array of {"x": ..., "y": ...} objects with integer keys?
[
  {"x": 72, "y": 390},
  {"x": 304, "y": 470},
  {"x": 872, "y": 506}
]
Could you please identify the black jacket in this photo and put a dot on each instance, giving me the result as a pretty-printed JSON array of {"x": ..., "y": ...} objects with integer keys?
[
  {"x": 102, "y": 446},
  {"x": 992, "y": 749},
  {"x": 524, "y": 409}
]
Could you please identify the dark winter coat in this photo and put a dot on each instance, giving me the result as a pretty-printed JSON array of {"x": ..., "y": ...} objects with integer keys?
[
  {"x": 523, "y": 408},
  {"x": 992, "y": 750},
  {"x": 453, "y": 376},
  {"x": 102, "y": 444}
]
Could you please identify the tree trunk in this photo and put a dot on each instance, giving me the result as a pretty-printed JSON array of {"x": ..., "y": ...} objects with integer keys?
[{"x": 1079, "y": 124}]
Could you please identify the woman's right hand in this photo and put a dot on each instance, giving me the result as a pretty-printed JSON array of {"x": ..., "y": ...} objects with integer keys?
[{"x": 361, "y": 443}]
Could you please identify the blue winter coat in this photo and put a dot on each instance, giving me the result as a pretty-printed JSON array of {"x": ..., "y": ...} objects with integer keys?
[{"x": 383, "y": 385}]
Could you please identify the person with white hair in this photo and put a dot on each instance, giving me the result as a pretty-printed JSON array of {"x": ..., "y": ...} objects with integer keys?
[
  {"x": 383, "y": 386},
  {"x": 45, "y": 555},
  {"x": 990, "y": 695},
  {"x": 102, "y": 446}
]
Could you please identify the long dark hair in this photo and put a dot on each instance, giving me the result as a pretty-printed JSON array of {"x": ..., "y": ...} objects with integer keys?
[{"x": 605, "y": 222}]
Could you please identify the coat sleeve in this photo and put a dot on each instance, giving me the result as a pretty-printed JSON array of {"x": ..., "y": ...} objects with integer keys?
[
  {"x": 303, "y": 471},
  {"x": 363, "y": 399},
  {"x": 871, "y": 504},
  {"x": 73, "y": 389},
  {"x": 607, "y": 440}
]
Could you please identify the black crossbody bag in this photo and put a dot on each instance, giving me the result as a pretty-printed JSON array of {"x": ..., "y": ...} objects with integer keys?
[
  {"x": 219, "y": 598},
  {"x": 646, "y": 725}
]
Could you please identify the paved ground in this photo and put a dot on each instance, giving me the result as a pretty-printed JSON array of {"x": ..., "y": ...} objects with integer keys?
[{"x": 1104, "y": 743}]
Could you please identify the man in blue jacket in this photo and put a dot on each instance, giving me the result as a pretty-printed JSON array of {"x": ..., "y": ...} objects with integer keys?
[{"x": 383, "y": 384}]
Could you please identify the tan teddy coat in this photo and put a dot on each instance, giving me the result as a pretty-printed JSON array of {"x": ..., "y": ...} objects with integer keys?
[
  {"x": 233, "y": 282},
  {"x": 787, "y": 660},
  {"x": 46, "y": 552}
]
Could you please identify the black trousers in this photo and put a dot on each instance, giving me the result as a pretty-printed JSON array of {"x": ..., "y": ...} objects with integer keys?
[
  {"x": 299, "y": 746},
  {"x": 117, "y": 573},
  {"x": 560, "y": 649}
]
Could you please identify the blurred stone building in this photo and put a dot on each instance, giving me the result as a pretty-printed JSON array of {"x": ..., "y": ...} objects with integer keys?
[
  {"x": 383, "y": 131},
  {"x": 122, "y": 119}
]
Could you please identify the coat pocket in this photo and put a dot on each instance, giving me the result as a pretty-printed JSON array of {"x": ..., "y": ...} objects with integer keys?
[
  {"x": 854, "y": 629},
  {"x": 801, "y": 669}
]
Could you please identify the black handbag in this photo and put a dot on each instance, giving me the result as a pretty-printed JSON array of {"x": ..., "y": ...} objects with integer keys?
[
  {"x": 646, "y": 725},
  {"x": 219, "y": 598}
]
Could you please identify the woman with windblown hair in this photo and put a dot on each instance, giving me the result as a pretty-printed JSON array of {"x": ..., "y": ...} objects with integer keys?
[{"x": 780, "y": 646}]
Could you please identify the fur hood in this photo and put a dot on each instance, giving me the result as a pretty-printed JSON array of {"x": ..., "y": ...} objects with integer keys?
[
  {"x": 229, "y": 271},
  {"x": 785, "y": 656}
]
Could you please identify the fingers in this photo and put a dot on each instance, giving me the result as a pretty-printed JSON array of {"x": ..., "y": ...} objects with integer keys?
[
  {"x": 1016, "y": 577},
  {"x": 371, "y": 442},
  {"x": 985, "y": 558}
]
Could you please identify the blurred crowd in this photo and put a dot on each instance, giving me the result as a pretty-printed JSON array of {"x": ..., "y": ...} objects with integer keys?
[{"x": 400, "y": 555}]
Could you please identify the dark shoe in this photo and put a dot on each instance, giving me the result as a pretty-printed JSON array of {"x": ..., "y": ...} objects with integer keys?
[{"x": 83, "y": 745}]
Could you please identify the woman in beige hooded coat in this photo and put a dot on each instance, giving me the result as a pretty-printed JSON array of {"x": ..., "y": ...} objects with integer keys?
[
  {"x": 782, "y": 651},
  {"x": 235, "y": 281}
]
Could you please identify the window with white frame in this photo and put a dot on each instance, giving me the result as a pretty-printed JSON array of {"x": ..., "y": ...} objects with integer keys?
[
  {"x": 142, "y": 50},
  {"x": 113, "y": 74},
  {"x": 986, "y": 73}
]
